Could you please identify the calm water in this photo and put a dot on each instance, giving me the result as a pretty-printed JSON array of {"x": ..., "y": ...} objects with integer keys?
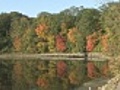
[{"x": 45, "y": 75}]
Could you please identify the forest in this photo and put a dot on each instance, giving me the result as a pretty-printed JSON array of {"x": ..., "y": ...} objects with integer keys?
[
  {"x": 73, "y": 30},
  {"x": 76, "y": 29}
]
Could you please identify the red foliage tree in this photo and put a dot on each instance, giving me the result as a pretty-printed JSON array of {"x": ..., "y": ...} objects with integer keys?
[
  {"x": 90, "y": 45},
  {"x": 61, "y": 68},
  {"x": 60, "y": 43}
]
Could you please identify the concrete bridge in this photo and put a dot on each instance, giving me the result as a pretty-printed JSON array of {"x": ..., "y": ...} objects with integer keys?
[{"x": 56, "y": 56}]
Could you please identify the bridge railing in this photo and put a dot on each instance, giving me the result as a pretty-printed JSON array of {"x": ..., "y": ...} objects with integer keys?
[{"x": 56, "y": 56}]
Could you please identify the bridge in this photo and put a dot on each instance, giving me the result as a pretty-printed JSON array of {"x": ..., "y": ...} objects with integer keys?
[{"x": 56, "y": 56}]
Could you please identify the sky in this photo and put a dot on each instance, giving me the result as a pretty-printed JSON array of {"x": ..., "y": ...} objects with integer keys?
[{"x": 32, "y": 8}]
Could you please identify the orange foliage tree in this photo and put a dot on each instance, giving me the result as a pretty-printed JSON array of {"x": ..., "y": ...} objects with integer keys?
[
  {"x": 72, "y": 35},
  {"x": 41, "y": 30},
  {"x": 42, "y": 33},
  {"x": 91, "y": 41}
]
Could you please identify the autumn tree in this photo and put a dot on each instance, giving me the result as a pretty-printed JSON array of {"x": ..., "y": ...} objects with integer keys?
[
  {"x": 60, "y": 43},
  {"x": 41, "y": 32},
  {"x": 87, "y": 24},
  {"x": 92, "y": 41},
  {"x": 74, "y": 40},
  {"x": 48, "y": 28},
  {"x": 28, "y": 40},
  {"x": 19, "y": 23},
  {"x": 71, "y": 35},
  {"x": 110, "y": 20}
]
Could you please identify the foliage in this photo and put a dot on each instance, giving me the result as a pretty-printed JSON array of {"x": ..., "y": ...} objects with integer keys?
[
  {"x": 72, "y": 35},
  {"x": 60, "y": 43},
  {"x": 88, "y": 21},
  {"x": 87, "y": 24},
  {"x": 110, "y": 20},
  {"x": 91, "y": 41},
  {"x": 5, "y": 42},
  {"x": 76, "y": 29}
]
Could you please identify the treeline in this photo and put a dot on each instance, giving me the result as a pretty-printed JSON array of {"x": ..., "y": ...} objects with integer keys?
[{"x": 76, "y": 29}]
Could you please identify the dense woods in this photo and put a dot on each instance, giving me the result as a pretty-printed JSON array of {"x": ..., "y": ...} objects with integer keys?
[{"x": 76, "y": 29}]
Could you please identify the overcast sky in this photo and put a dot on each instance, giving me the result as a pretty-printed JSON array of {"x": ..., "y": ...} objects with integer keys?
[{"x": 33, "y": 7}]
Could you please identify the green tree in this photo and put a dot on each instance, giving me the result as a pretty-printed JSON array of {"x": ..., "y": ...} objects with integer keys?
[
  {"x": 87, "y": 22},
  {"x": 18, "y": 25},
  {"x": 5, "y": 42},
  {"x": 110, "y": 20}
]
